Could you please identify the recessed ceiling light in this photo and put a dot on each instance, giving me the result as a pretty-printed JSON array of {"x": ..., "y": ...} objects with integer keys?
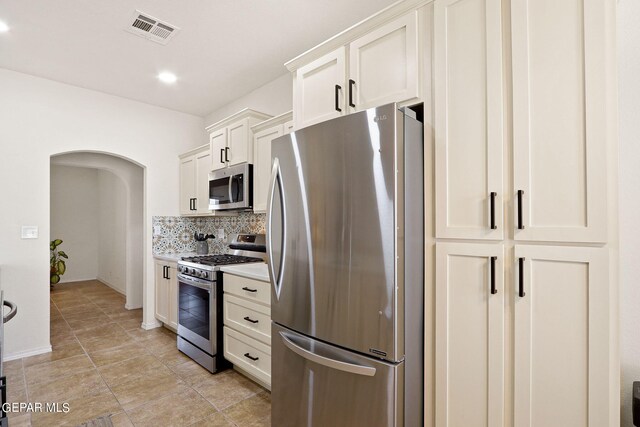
[
  {"x": 167, "y": 77},
  {"x": 3, "y": 27}
]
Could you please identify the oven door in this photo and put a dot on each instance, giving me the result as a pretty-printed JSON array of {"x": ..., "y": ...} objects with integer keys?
[
  {"x": 231, "y": 188},
  {"x": 197, "y": 312}
]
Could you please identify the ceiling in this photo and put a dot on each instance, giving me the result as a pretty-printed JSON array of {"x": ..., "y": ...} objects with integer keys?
[{"x": 225, "y": 48}]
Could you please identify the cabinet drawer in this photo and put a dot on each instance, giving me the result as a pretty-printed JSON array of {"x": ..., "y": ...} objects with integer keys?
[
  {"x": 248, "y": 317},
  {"x": 241, "y": 350},
  {"x": 249, "y": 289}
]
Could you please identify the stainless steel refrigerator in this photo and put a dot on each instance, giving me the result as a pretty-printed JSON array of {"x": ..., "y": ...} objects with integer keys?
[{"x": 346, "y": 261}]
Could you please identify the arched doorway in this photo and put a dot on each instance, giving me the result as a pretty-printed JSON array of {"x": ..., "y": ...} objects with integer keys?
[{"x": 118, "y": 252}]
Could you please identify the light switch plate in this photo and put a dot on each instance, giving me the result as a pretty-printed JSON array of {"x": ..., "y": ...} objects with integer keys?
[
  {"x": 157, "y": 230},
  {"x": 220, "y": 234},
  {"x": 29, "y": 232}
]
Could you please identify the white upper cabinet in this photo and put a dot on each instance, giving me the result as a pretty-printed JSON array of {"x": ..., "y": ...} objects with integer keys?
[
  {"x": 559, "y": 126},
  {"x": 562, "y": 337},
  {"x": 468, "y": 119},
  {"x": 470, "y": 316},
  {"x": 319, "y": 89},
  {"x": 383, "y": 64},
  {"x": 187, "y": 185},
  {"x": 194, "y": 181},
  {"x": 231, "y": 139},
  {"x": 263, "y": 134},
  {"x": 203, "y": 164},
  {"x": 218, "y": 141},
  {"x": 375, "y": 62}
]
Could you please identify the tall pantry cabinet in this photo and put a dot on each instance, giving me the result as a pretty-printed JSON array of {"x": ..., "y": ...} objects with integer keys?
[{"x": 525, "y": 311}]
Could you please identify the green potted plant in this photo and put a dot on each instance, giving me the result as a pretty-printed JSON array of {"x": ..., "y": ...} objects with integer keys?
[{"x": 58, "y": 266}]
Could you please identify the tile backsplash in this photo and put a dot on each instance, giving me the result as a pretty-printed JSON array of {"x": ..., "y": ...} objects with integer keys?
[{"x": 174, "y": 234}]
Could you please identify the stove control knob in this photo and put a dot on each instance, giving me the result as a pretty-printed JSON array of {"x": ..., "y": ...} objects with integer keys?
[
  {"x": 193, "y": 271},
  {"x": 204, "y": 274}
]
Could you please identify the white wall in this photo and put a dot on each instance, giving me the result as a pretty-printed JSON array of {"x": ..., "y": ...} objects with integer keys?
[
  {"x": 276, "y": 97},
  {"x": 629, "y": 140},
  {"x": 112, "y": 236},
  {"x": 40, "y": 118},
  {"x": 74, "y": 219}
]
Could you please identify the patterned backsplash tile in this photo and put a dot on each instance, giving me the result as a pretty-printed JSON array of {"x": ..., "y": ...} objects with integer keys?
[{"x": 176, "y": 232}]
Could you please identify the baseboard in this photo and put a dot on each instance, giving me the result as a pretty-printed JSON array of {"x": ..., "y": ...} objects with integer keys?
[
  {"x": 120, "y": 291},
  {"x": 27, "y": 353},
  {"x": 154, "y": 325},
  {"x": 74, "y": 280},
  {"x": 130, "y": 307}
]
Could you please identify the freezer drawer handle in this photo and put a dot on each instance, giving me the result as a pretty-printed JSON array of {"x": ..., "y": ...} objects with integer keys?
[
  {"x": 249, "y": 289},
  {"x": 248, "y": 319},
  {"x": 325, "y": 361},
  {"x": 249, "y": 356}
]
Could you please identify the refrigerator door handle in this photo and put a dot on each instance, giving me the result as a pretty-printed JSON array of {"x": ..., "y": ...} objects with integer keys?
[
  {"x": 325, "y": 361},
  {"x": 275, "y": 185}
]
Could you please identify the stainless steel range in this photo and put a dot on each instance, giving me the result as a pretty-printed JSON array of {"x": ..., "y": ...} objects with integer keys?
[{"x": 200, "y": 299}]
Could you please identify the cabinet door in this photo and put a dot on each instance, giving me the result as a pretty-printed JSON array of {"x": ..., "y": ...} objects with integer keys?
[
  {"x": 187, "y": 185},
  {"x": 203, "y": 165},
  {"x": 469, "y": 335},
  {"x": 240, "y": 146},
  {"x": 383, "y": 65},
  {"x": 561, "y": 337},
  {"x": 559, "y": 83},
  {"x": 162, "y": 293},
  {"x": 172, "y": 296},
  {"x": 218, "y": 140},
  {"x": 319, "y": 89},
  {"x": 262, "y": 166},
  {"x": 468, "y": 119}
]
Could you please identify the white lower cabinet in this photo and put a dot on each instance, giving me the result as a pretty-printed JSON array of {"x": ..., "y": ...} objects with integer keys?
[
  {"x": 247, "y": 326},
  {"x": 249, "y": 355},
  {"x": 166, "y": 295},
  {"x": 470, "y": 318},
  {"x": 561, "y": 335}
]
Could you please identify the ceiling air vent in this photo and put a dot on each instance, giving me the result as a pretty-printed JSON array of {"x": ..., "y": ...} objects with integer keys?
[{"x": 144, "y": 25}]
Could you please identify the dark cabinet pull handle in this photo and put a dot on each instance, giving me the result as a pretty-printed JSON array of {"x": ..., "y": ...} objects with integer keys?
[
  {"x": 521, "y": 277},
  {"x": 493, "y": 275},
  {"x": 165, "y": 272},
  {"x": 226, "y": 154},
  {"x": 195, "y": 204},
  {"x": 520, "y": 224},
  {"x": 351, "y": 83},
  {"x": 249, "y": 356},
  {"x": 248, "y": 319},
  {"x": 493, "y": 210},
  {"x": 337, "y": 94},
  {"x": 249, "y": 289},
  {"x": 221, "y": 154}
]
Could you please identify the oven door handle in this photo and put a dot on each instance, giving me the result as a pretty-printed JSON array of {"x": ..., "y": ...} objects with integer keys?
[{"x": 190, "y": 282}]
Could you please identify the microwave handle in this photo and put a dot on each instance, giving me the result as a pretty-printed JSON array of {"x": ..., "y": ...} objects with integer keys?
[{"x": 231, "y": 189}]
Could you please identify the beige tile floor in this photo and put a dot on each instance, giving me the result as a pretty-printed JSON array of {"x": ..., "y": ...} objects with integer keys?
[{"x": 103, "y": 363}]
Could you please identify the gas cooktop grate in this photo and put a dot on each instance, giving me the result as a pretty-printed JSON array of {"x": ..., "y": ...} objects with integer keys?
[{"x": 221, "y": 259}]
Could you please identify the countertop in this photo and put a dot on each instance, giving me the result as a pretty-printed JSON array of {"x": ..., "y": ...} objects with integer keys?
[
  {"x": 257, "y": 271},
  {"x": 173, "y": 257}
]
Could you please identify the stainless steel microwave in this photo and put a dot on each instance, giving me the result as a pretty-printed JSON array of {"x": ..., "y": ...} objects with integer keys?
[{"x": 231, "y": 188}]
